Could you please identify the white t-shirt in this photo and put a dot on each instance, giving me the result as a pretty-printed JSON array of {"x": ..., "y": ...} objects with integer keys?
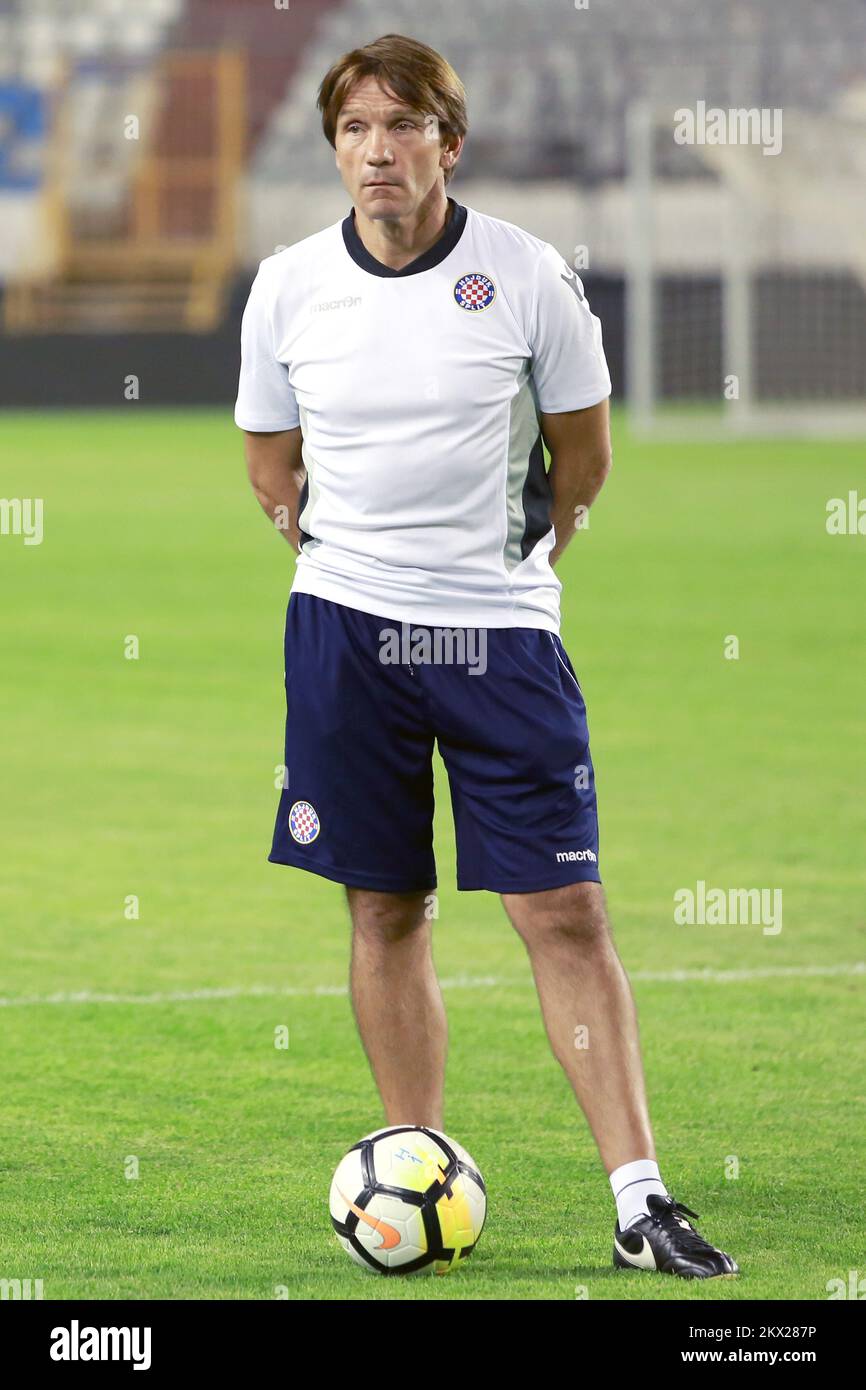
[{"x": 417, "y": 392}]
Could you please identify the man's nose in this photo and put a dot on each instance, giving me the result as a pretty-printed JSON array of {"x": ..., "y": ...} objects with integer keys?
[{"x": 378, "y": 146}]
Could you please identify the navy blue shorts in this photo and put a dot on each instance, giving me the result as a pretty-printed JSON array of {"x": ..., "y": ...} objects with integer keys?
[{"x": 365, "y": 701}]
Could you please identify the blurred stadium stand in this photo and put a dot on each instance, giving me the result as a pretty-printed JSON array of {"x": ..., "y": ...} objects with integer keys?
[
  {"x": 548, "y": 86},
  {"x": 141, "y": 251}
]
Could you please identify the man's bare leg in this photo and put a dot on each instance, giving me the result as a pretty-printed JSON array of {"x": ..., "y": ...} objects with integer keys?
[
  {"x": 581, "y": 981},
  {"x": 582, "y": 985},
  {"x": 398, "y": 1003}
]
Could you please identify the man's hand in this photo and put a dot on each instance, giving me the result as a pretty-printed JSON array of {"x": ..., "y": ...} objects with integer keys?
[
  {"x": 580, "y": 460},
  {"x": 277, "y": 474}
]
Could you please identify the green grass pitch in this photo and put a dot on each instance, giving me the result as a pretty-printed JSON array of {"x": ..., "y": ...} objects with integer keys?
[{"x": 155, "y": 777}]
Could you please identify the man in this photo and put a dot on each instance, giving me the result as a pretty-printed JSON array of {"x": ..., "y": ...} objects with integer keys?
[{"x": 399, "y": 371}]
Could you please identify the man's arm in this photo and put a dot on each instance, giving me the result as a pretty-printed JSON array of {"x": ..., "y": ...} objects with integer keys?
[
  {"x": 277, "y": 474},
  {"x": 580, "y": 460}
]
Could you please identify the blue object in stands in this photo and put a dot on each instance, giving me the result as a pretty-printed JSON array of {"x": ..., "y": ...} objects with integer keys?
[{"x": 23, "y": 128}]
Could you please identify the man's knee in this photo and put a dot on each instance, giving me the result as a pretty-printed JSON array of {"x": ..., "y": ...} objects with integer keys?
[
  {"x": 575, "y": 912},
  {"x": 386, "y": 916}
]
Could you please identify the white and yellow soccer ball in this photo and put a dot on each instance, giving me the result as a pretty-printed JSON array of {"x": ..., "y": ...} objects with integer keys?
[{"x": 407, "y": 1199}]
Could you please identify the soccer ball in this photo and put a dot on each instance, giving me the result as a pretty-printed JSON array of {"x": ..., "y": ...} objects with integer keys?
[{"x": 408, "y": 1198}]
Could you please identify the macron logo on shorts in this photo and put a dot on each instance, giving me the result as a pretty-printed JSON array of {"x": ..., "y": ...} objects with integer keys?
[{"x": 582, "y": 856}]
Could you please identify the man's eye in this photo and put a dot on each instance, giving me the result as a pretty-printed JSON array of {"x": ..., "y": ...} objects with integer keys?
[{"x": 353, "y": 125}]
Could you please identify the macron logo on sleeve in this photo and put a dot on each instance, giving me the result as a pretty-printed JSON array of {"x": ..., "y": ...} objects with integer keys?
[{"x": 574, "y": 283}]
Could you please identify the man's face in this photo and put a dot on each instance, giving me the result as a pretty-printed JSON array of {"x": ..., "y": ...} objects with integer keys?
[{"x": 388, "y": 155}]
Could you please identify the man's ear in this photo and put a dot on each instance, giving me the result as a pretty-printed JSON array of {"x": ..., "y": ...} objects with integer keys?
[{"x": 449, "y": 157}]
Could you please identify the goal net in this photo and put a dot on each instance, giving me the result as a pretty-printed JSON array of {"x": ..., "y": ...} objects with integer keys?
[{"x": 746, "y": 270}]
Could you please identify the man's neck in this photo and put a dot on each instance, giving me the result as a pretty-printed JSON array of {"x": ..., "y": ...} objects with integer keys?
[{"x": 391, "y": 249}]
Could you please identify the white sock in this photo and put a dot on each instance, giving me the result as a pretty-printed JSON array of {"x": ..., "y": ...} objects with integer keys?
[{"x": 631, "y": 1184}]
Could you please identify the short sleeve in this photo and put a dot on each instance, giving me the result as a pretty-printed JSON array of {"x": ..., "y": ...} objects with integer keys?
[
  {"x": 265, "y": 400},
  {"x": 568, "y": 370}
]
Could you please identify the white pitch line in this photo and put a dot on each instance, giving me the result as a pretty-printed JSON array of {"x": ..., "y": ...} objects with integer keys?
[
  {"x": 724, "y": 977},
  {"x": 184, "y": 996}
]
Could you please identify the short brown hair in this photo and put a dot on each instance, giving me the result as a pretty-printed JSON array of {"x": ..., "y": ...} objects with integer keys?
[{"x": 416, "y": 74}]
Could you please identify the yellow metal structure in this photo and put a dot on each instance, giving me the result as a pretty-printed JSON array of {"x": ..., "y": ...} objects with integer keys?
[{"x": 165, "y": 262}]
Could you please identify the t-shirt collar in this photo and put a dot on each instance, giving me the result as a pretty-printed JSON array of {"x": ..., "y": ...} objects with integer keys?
[{"x": 429, "y": 258}]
